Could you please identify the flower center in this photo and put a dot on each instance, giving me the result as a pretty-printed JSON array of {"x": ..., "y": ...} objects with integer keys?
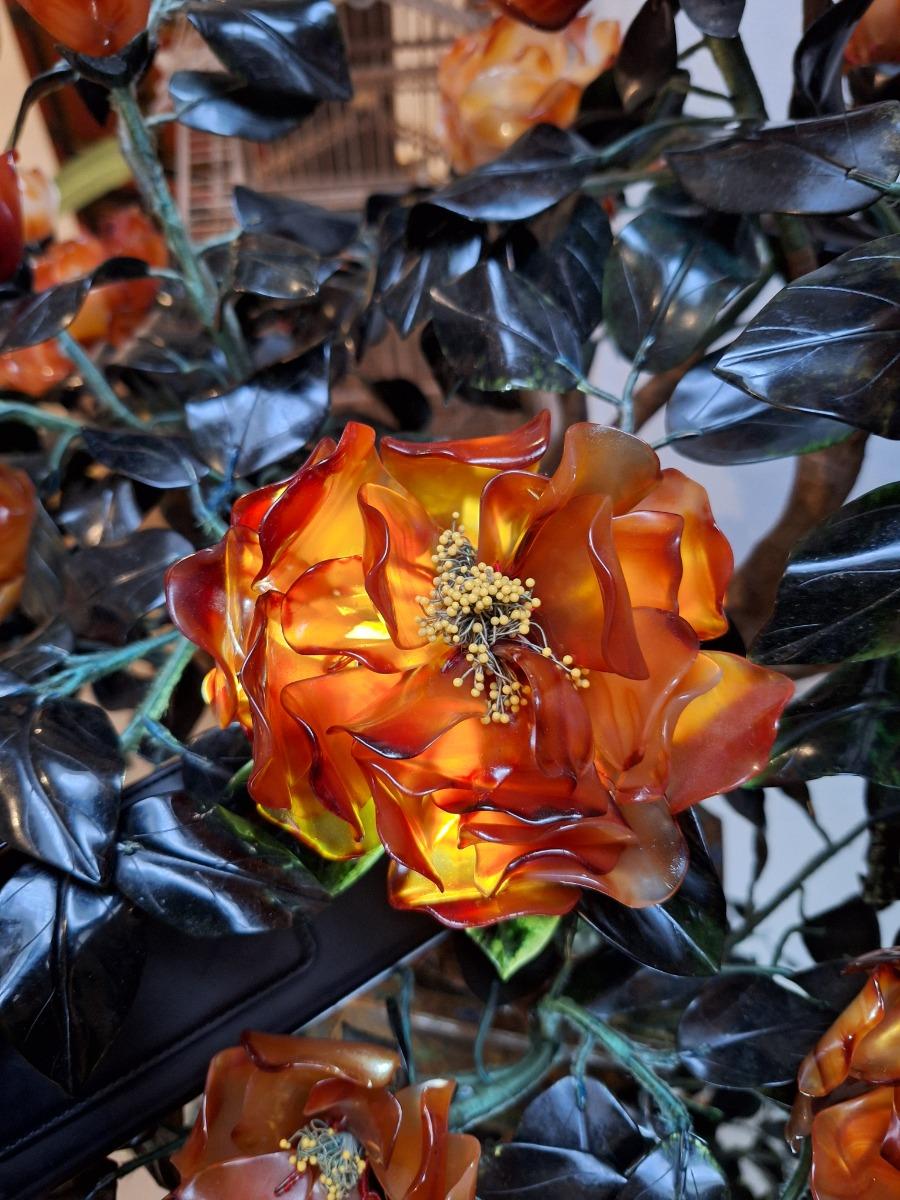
[
  {"x": 475, "y": 606},
  {"x": 334, "y": 1153}
]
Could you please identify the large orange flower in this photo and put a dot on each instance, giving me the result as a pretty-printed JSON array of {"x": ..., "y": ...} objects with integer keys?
[
  {"x": 93, "y": 27},
  {"x": 856, "y": 1139},
  {"x": 497, "y": 82},
  {"x": 109, "y": 315},
  {"x": 496, "y": 673},
  {"x": 876, "y": 38},
  {"x": 17, "y": 508},
  {"x": 301, "y": 1117}
]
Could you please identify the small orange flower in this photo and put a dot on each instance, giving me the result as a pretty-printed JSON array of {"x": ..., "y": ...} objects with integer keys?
[
  {"x": 876, "y": 38},
  {"x": 496, "y": 673},
  {"x": 12, "y": 241},
  {"x": 93, "y": 27},
  {"x": 310, "y": 1118},
  {"x": 17, "y": 508},
  {"x": 856, "y": 1138},
  {"x": 499, "y": 81},
  {"x": 109, "y": 315}
]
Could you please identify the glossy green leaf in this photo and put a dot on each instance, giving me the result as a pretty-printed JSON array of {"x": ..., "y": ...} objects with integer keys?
[
  {"x": 678, "y": 1168},
  {"x": 839, "y": 597},
  {"x": 512, "y": 944},
  {"x": 829, "y": 343},
  {"x": 569, "y": 270},
  {"x": 648, "y": 56}
]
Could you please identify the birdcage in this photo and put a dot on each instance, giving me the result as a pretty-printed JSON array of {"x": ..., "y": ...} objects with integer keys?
[{"x": 384, "y": 139}]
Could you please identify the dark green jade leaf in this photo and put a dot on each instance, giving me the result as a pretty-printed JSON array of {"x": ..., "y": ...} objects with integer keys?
[
  {"x": 680, "y": 1167},
  {"x": 513, "y": 944},
  {"x": 648, "y": 55},
  {"x": 223, "y": 104},
  {"x": 839, "y": 597},
  {"x": 499, "y": 332},
  {"x": 718, "y": 18},
  {"x": 70, "y": 963},
  {"x": 713, "y": 421},
  {"x": 683, "y": 936},
  {"x": 667, "y": 280},
  {"x": 569, "y": 270},
  {"x": 829, "y": 343},
  {"x": 819, "y": 64},
  {"x": 800, "y": 167},
  {"x": 160, "y": 462},
  {"x": 582, "y": 1115},
  {"x": 544, "y": 166},
  {"x": 324, "y": 232}
]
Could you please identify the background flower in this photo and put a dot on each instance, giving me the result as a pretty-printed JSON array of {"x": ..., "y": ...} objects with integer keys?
[
  {"x": 876, "y": 38},
  {"x": 527, "y": 729},
  {"x": 12, "y": 243},
  {"x": 93, "y": 27},
  {"x": 856, "y": 1064},
  {"x": 276, "y": 1107},
  {"x": 17, "y": 509},
  {"x": 497, "y": 82}
]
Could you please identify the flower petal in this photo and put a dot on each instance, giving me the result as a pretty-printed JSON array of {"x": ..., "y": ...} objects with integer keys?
[
  {"x": 585, "y": 609},
  {"x": 12, "y": 236},
  {"x": 448, "y": 477},
  {"x": 562, "y": 726},
  {"x": 725, "y": 736},
  {"x": 847, "y": 1140},
  {"x": 599, "y": 461},
  {"x": 372, "y": 1114},
  {"x": 428, "y": 1162},
  {"x": 705, "y": 553},
  {"x": 400, "y": 539},
  {"x": 651, "y": 869},
  {"x": 464, "y": 907},
  {"x": 648, "y": 547},
  {"x": 508, "y": 504},
  {"x": 259, "y": 1175},
  {"x": 97, "y": 29}
]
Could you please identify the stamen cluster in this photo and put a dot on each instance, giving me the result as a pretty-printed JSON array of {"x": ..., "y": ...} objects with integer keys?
[
  {"x": 336, "y": 1154},
  {"x": 474, "y": 605}
]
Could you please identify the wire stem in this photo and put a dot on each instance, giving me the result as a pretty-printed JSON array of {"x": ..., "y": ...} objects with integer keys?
[
  {"x": 157, "y": 699},
  {"x": 95, "y": 380}
]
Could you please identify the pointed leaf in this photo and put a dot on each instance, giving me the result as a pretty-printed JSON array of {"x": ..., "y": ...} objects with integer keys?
[
  {"x": 684, "y": 936},
  {"x": 839, "y": 597},
  {"x": 649, "y": 54},
  {"x": 516, "y": 1169},
  {"x": 829, "y": 343},
  {"x": 70, "y": 964},
  {"x": 265, "y": 418},
  {"x": 717, "y": 18},
  {"x": 679, "y": 1168},
  {"x": 512, "y": 944},
  {"x": 263, "y": 264},
  {"x": 819, "y": 60},
  {"x": 222, "y": 104},
  {"x": 324, "y": 232},
  {"x": 160, "y": 462},
  {"x": 847, "y": 930},
  {"x": 103, "y": 510},
  {"x": 60, "y": 784},
  {"x": 570, "y": 269},
  {"x": 582, "y": 1115}
]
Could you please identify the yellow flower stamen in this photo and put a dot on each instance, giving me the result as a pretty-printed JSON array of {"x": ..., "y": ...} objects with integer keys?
[{"x": 336, "y": 1153}]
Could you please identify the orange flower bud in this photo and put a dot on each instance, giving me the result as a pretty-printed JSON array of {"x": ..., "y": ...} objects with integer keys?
[
  {"x": 856, "y": 1132},
  {"x": 497, "y": 674},
  {"x": 92, "y": 27},
  {"x": 499, "y": 81},
  {"x": 281, "y": 1110},
  {"x": 17, "y": 508},
  {"x": 876, "y": 39}
]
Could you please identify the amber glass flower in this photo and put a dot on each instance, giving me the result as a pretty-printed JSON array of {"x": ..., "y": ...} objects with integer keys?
[
  {"x": 109, "y": 315},
  {"x": 40, "y": 205},
  {"x": 496, "y": 673},
  {"x": 17, "y": 507},
  {"x": 855, "y": 1070},
  {"x": 543, "y": 14},
  {"x": 12, "y": 241},
  {"x": 303, "y": 1117},
  {"x": 497, "y": 82},
  {"x": 92, "y": 27},
  {"x": 876, "y": 38}
]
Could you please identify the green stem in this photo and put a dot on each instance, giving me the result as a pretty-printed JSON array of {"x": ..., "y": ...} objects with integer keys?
[
  {"x": 798, "y": 1183},
  {"x": 95, "y": 380},
  {"x": 485, "y": 1025},
  {"x": 139, "y": 149},
  {"x": 82, "y": 668},
  {"x": 209, "y": 521},
  {"x": 30, "y": 414},
  {"x": 818, "y": 860},
  {"x": 239, "y": 778},
  {"x": 590, "y": 390},
  {"x": 734, "y": 66},
  {"x": 141, "y": 1160},
  {"x": 673, "y": 1111},
  {"x": 880, "y": 185},
  {"x": 506, "y": 1088},
  {"x": 157, "y": 699}
]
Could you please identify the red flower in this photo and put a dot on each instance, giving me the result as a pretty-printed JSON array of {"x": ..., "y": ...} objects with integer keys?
[
  {"x": 543, "y": 14},
  {"x": 855, "y": 1068},
  {"x": 12, "y": 239},
  {"x": 92, "y": 27},
  {"x": 17, "y": 508},
  {"x": 500, "y": 671},
  {"x": 308, "y": 1118}
]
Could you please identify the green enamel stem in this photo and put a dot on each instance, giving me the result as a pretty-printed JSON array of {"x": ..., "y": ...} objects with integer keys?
[
  {"x": 94, "y": 379},
  {"x": 157, "y": 699}
]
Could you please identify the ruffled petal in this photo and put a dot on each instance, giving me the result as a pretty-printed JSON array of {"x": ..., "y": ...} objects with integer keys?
[
  {"x": 211, "y": 1140},
  {"x": 328, "y": 611},
  {"x": 317, "y": 516},
  {"x": 598, "y": 461},
  {"x": 562, "y": 726},
  {"x": 648, "y": 547},
  {"x": 847, "y": 1140},
  {"x": 428, "y": 1161},
  {"x": 705, "y": 553},
  {"x": 725, "y": 736},
  {"x": 372, "y": 1114},
  {"x": 239, "y": 1178},
  {"x": 585, "y": 609},
  {"x": 448, "y": 477},
  {"x": 400, "y": 539},
  {"x": 508, "y": 506},
  {"x": 651, "y": 869}
]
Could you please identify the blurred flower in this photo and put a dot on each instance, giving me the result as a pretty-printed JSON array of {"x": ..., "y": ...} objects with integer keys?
[
  {"x": 92, "y": 27},
  {"x": 499, "y": 81},
  {"x": 17, "y": 508},
  {"x": 856, "y": 1137},
  {"x": 109, "y": 314},
  {"x": 40, "y": 205},
  {"x": 508, "y": 665},
  {"x": 12, "y": 242},
  {"x": 876, "y": 38},
  {"x": 543, "y": 14},
  {"x": 304, "y": 1117}
]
